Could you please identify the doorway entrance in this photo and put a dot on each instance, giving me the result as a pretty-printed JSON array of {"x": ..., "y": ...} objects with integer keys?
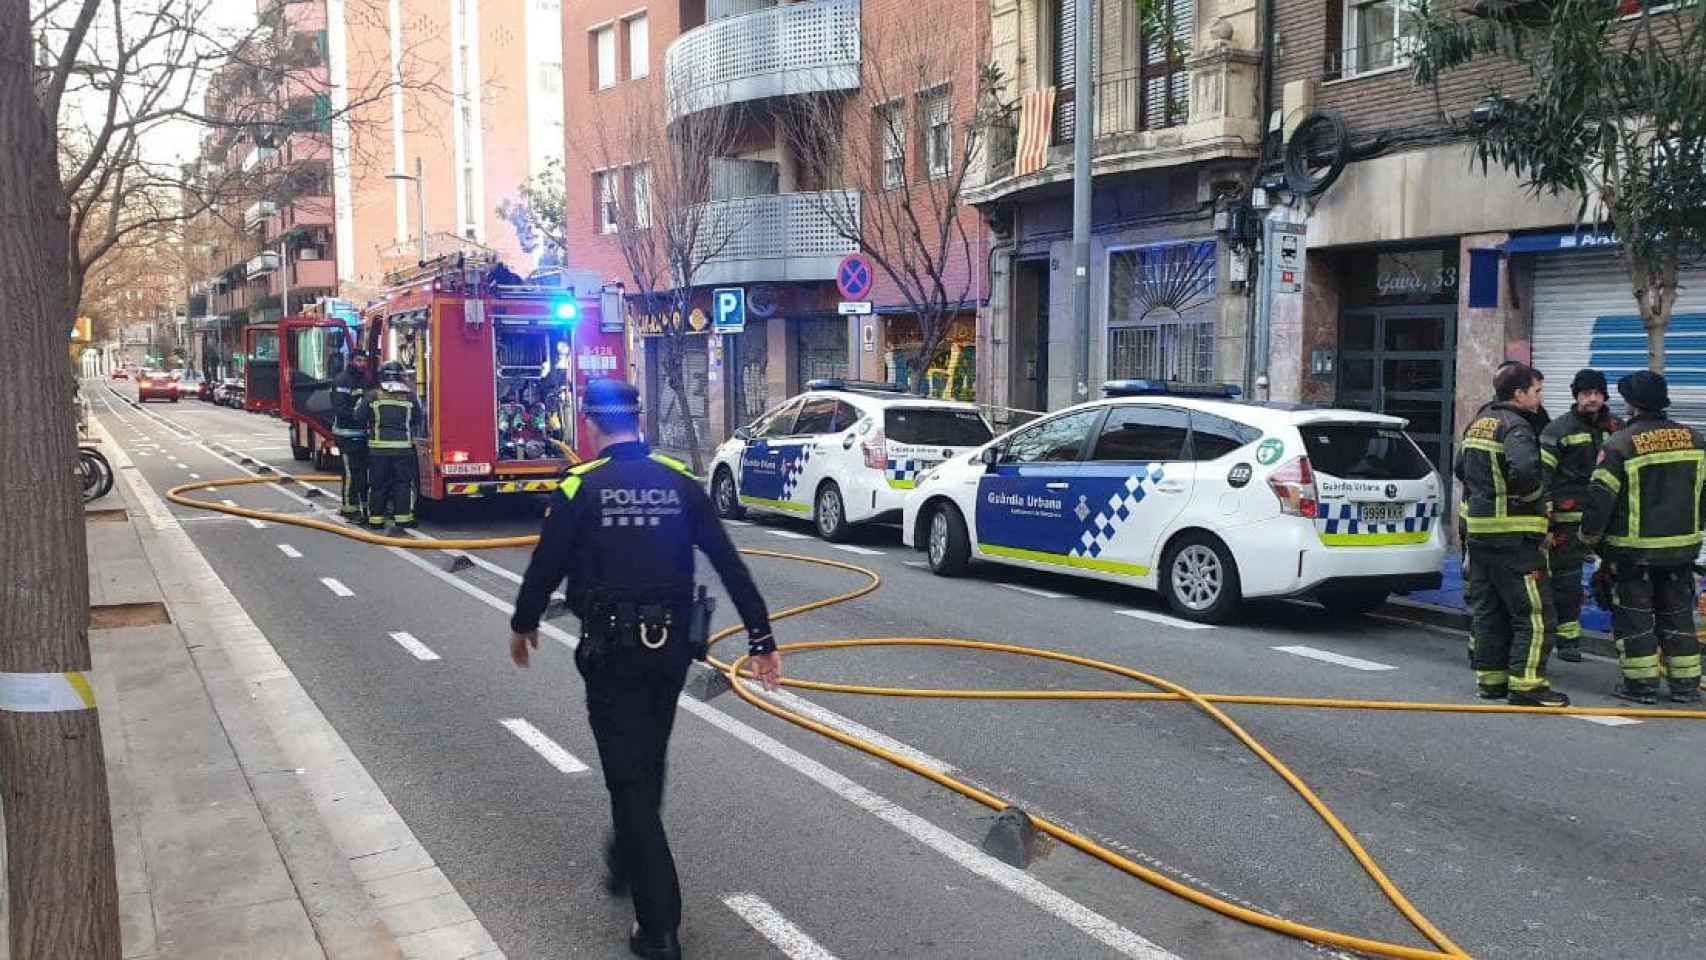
[
  {"x": 1400, "y": 361},
  {"x": 1029, "y": 373}
]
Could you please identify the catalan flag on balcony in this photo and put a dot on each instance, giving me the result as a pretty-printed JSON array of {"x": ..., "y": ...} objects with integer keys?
[{"x": 1036, "y": 122}]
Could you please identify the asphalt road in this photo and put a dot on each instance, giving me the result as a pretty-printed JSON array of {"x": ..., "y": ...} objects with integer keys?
[{"x": 1517, "y": 836}]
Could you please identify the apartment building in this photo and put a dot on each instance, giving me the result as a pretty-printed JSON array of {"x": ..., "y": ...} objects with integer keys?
[{"x": 790, "y": 209}]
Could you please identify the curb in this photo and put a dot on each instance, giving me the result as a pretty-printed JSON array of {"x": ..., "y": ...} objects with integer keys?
[{"x": 1451, "y": 618}]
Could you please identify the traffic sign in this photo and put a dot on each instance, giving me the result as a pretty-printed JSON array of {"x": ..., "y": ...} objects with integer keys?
[
  {"x": 854, "y": 276},
  {"x": 855, "y": 308},
  {"x": 728, "y": 310}
]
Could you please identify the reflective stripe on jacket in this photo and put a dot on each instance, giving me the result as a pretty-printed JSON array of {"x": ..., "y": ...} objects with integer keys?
[
  {"x": 1500, "y": 469},
  {"x": 1569, "y": 449},
  {"x": 1646, "y": 494},
  {"x": 393, "y": 420}
]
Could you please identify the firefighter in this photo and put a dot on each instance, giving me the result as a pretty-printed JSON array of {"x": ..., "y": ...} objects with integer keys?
[
  {"x": 1569, "y": 448},
  {"x": 394, "y": 422},
  {"x": 1504, "y": 516},
  {"x": 1647, "y": 499},
  {"x": 347, "y": 391},
  {"x": 622, "y": 530}
]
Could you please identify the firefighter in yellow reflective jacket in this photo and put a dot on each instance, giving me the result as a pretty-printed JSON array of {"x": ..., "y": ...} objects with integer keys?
[
  {"x": 1569, "y": 448},
  {"x": 1647, "y": 500},
  {"x": 394, "y": 422},
  {"x": 1504, "y": 517}
]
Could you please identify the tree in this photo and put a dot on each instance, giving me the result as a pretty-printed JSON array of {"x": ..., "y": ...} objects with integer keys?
[
  {"x": 1612, "y": 109},
  {"x": 538, "y": 212},
  {"x": 658, "y": 204},
  {"x": 897, "y": 197}
]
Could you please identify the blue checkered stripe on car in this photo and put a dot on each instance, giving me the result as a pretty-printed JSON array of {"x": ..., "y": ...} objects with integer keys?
[
  {"x": 792, "y": 466},
  {"x": 1103, "y": 522},
  {"x": 901, "y": 468},
  {"x": 1342, "y": 518}
]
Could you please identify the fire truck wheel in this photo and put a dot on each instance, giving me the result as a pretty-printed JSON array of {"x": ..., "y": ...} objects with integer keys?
[
  {"x": 323, "y": 459},
  {"x": 724, "y": 496},
  {"x": 297, "y": 451}
]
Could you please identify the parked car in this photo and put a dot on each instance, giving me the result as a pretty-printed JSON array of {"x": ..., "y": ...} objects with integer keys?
[
  {"x": 120, "y": 373},
  {"x": 188, "y": 382},
  {"x": 842, "y": 453},
  {"x": 156, "y": 385},
  {"x": 229, "y": 393},
  {"x": 1206, "y": 500}
]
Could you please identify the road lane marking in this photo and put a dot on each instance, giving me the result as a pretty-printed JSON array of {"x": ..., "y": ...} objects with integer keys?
[
  {"x": 788, "y": 534},
  {"x": 1327, "y": 656},
  {"x": 337, "y": 587},
  {"x": 195, "y": 476},
  {"x": 181, "y": 465},
  {"x": 1164, "y": 620},
  {"x": 409, "y": 643},
  {"x": 920, "y": 564},
  {"x": 1033, "y": 591},
  {"x": 861, "y": 551},
  {"x": 290, "y": 551},
  {"x": 1609, "y": 721},
  {"x": 830, "y": 718},
  {"x": 553, "y": 753},
  {"x": 786, "y": 937}
]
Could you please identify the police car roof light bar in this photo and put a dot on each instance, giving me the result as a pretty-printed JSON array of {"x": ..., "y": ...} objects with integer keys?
[
  {"x": 1172, "y": 388},
  {"x": 836, "y": 383}
]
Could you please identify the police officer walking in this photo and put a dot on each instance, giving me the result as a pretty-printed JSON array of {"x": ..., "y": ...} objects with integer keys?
[
  {"x": 1504, "y": 517},
  {"x": 1647, "y": 499},
  {"x": 621, "y": 529},
  {"x": 1569, "y": 448},
  {"x": 394, "y": 422},
  {"x": 351, "y": 433}
]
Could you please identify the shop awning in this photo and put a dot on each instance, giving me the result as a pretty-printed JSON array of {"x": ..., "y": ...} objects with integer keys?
[{"x": 1562, "y": 241}]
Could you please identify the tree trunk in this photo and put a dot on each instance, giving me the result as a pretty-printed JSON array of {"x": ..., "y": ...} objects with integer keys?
[
  {"x": 673, "y": 357},
  {"x": 64, "y": 897}
]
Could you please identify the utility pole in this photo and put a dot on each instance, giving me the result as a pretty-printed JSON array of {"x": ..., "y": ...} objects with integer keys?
[
  {"x": 284, "y": 278},
  {"x": 1083, "y": 132},
  {"x": 419, "y": 177}
]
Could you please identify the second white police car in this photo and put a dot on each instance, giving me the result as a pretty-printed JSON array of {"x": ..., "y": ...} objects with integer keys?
[{"x": 1205, "y": 499}]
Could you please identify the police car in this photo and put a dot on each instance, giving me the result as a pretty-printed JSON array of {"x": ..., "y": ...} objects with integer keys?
[
  {"x": 841, "y": 453},
  {"x": 1206, "y": 500}
]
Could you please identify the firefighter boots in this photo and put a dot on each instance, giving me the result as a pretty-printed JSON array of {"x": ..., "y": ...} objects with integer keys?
[{"x": 1640, "y": 691}]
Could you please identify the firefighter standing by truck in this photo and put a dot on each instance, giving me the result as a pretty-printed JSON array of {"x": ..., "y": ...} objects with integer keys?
[
  {"x": 1504, "y": 515},
  {"x": 394, "y": 422},
  {"x": 1647, "y": 500},
  {"x": 1569, "y": 448},
  {"x": 351, "y": 432}
]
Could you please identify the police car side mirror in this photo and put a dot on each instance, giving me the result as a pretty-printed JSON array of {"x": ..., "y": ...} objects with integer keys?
[
  {"x": 990, "y": 456},
  {"x": 743, "y": 433}
]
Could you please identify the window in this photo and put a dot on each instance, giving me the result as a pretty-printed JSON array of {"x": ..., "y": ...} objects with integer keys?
[
  {"x": 1143, "y": 435},
  {"x": 779, "y": 423},
  {"x": 817, "y": 416},
  {"x": 604, "y": 55},
  {"x": 604, "y": 197},
  {"x": 1378, "y": 34},
  {"x": 937, "y": 116},
  {"x": 1364, "y": 452},
  {"x": 935, "y": 426},
  {"x": 1214, "y": 437},
  {"x": 639, "y": 47},
  {"x": 891, "y": 129},
  {"x": 470, "y": 210},
  {"x": 551, "y": 77},
  {"x": 1161, "y": 312},
  {"x": 641, "y": 184},
  {"x": 846, "y": 415},
  {"x": 1060, "y": 440}
]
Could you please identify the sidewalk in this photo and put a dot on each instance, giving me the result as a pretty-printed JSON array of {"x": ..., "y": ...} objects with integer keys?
[{"x": 1446, "y": 607}]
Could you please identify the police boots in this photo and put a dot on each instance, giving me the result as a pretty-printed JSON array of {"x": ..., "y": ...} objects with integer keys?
[
  {"x": 1640, "y": 691},
  {"x": 654, "y": 946},
  {"x": 1685, "y": 691}
]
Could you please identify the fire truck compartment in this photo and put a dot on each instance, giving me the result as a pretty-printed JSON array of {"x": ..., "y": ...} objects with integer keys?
[{"x": 534, "y": 394}]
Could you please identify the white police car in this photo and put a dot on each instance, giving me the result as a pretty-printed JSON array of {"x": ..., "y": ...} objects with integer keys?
[
  {"x": 1207, "y": 500},
  {"x": 841, "y": 453}
]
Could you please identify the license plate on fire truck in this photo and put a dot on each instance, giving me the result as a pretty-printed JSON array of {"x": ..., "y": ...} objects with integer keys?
[{"x": 467, "y": 469}]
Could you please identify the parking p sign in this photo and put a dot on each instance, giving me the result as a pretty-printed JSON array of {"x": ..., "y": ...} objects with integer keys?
[{"x": 728, "y": 310}]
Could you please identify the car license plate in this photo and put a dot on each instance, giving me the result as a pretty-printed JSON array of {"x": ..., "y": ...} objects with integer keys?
[
  {"x": 1383, "y": 512},
  {"x": 467, "y": 469}
]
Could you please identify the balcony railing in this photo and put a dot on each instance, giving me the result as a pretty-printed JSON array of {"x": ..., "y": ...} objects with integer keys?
[
  {"x": 1128, "y": 101},
  {"x": 258, "y": 212},
  {"x": 261, "y": 264},
  {"x": 257, "y": 156},
  {"x": 779, "y": 237},
  {"x": 782, "y": 51}
]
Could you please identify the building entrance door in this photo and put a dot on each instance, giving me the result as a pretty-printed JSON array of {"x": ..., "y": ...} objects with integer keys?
[{"x": 1399, "y": 360}]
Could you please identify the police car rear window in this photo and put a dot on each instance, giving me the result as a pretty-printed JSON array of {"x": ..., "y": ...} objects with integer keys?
[
  {"x": 1363, "y": 452},
  {"x": 935, "y": 427}
]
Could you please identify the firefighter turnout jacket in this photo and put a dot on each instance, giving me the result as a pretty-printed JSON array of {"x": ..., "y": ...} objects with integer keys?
[
  {"x": 1502, "y": 477},
  {"x": 1647, "y": 493},
  {"x": 347, "y": 391},
  {"x": 1569, "y": 449},
  {"x": 393, "y": 419}
]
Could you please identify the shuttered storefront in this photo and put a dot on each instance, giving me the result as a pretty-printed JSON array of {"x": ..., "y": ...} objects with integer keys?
[{"x": 1585, "y": 316}]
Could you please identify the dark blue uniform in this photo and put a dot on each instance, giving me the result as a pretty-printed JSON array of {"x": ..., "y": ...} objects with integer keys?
[{"x": 622, "y": 530}]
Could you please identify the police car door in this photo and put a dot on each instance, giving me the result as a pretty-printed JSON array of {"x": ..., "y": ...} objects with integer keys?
[
  {"x": 812, "y": 431},
  {"x": 762, "y": 467},
  {"x": 1026, "y": 499},
  {"x": 1135, "y": 483}
]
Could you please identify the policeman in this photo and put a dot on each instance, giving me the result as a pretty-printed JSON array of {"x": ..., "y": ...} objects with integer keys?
[
  {"x": 1647, "y": 500},
  {"x": 394, "y": 422},
  {"x": 1504, "y": 516},
  {"x": 1569, "y": 449},
  {"x": 347, "y": 390},
  {"x": 622, "y": 530}
]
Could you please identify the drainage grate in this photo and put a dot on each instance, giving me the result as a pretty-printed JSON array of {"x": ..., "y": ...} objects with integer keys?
[
  {"x": 112, "y": 515},
  {"x": 112, "y": 616}
]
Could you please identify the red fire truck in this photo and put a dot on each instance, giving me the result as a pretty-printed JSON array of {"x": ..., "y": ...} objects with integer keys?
[
  {"x": 314, "y": 347},
  {"x": 260, "y": 368},
  {"x": 499, "y": 365}
]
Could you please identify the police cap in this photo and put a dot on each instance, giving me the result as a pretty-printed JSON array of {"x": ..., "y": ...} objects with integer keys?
[
  {"x": 610, "y": 397},
  {"x": 1645, "y": 389}
]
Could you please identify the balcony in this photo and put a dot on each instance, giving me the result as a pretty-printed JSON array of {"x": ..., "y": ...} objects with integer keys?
[
  {"x": 781, "y": 51},
  {"x": 310, "y": 272},
  {"x": 302, "y": 215},
  {"x": 256, "y": 157},
  {"x": 786, "y": 236},
  {"x": 258, "y": 213},
  {"x": 261, "y": 264}
]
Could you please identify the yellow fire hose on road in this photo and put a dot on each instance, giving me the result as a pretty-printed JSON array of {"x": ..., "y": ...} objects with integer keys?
[{"x": 1163, "y": 690}]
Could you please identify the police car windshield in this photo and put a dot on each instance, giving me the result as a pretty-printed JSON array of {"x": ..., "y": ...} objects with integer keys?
[
  {"x": 935, "y": 426},
  {"x": 1363, "y": 452}
]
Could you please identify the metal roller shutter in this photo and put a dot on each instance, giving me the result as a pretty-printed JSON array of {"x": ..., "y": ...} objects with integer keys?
[{"x": 1584, "y": 316}]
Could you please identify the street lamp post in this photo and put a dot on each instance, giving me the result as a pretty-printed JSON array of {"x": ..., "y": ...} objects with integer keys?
[{"x": 419, "y": 177}]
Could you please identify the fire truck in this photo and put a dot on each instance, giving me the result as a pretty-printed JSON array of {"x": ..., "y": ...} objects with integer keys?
[
  {"x": 499, "y": 364},
  {"x": 313, "y": 349},
  {"x": 260, "y": 368}
]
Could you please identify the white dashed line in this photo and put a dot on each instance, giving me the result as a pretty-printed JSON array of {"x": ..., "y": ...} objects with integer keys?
[
  {"x": 920, "y": 564},
  {"x": 337, "y": 587},
  {"x": 290, "y": 551},
  {"x": 788, "y": 534},
  {"x": 1327, "y": 656},
  {"x": 419, "y": 649},
  {"x": 181, "y": 465},
  {"x": 1033, "y": 591},
  {"x": 861, "y": 551},
  {"x": 1609, "y": 721},
  {"x": 1163, "y": 619},
  {"x": 553, "y": 753},
  {"x": 776, "y": 928},
  {"x": 195, "y": 476}
]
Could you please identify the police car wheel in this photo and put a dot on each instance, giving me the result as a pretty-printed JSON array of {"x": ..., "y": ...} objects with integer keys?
[
  {"x": 725, "y": 497},
  {"x": 830, "y": 514},
  {"x": 1199, "y": 579},
  {"x": 948, "y": 546}
]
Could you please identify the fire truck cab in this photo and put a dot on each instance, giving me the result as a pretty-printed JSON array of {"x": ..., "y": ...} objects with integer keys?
[
  {"x": 499, "y": 365},
  {"x": 315, "y": 347},
  {"x": 260, "y": 368}
]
